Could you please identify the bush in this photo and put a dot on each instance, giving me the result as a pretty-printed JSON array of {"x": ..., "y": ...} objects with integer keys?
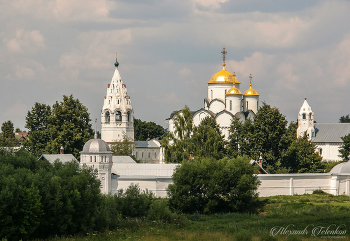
[
  {"x": 214, "y": 186},
  {"x": 159, "y": 211},
  {"x": 133, "y": 202},
  {"x": 319, "y": 191}
]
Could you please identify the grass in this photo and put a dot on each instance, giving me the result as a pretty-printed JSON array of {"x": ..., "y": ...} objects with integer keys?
[{"x": 299, "y": 211}]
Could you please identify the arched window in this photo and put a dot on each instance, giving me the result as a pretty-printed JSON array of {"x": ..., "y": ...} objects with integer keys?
[
  {"x": 118, "y": 116},
  {"x": 304, "y": 116},
  {"x": 310, "y": 116},
  {"x": 90, "y": 158},
  {"x": 129, "y": 116},
  {"x": 107, "y": 117},
  {"x": 230, "y": 104},
  {"x": 95, "y": 158},
  {"x": 211, "y": 94},
  {"x": 149, "y": 155},
  {"x": 320, "y": 151}
]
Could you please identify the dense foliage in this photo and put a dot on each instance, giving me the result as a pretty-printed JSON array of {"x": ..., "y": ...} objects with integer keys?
[
  {"x": 144, "y": 130},
  {"x": 66, "y": 124},
  {"x": 123, "y": 148},
  {"x": 38, "y": 199},
  {"x": 204, "y": 140},
  {"x": 214, "y": 186},
  {"x": 345, "y": 148},
  {"x": 7, "y": 136},
  {"x": 344, "y": 119}
]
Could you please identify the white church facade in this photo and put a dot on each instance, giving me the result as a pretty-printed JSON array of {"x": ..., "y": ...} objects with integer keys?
[
  {"x": 224, "y": 101},
  {"x": 326, "y": 136},
  {"x": 117, "y": 114}
]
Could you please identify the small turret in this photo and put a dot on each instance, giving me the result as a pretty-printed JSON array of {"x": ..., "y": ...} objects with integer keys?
[{"x": 306, "y": 121}]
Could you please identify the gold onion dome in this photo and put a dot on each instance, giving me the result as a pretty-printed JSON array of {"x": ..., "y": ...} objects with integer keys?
[
  {"x": 223, "y": 76},
  {"x": 234, "y": 91},
  {"x": 250, "y": 91}
]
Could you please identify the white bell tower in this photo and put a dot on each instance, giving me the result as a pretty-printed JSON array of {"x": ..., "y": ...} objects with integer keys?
[
  {"x": 306, "y": 121},
  {"x": 117, "y": 115}
]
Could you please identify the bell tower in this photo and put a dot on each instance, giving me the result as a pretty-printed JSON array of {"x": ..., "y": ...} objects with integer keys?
[
  {"x": 306, "y": 121},
  {"x": 117, "y": 115}
]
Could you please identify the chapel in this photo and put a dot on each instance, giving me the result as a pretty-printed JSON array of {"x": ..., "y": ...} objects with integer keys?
[{"x": 225, "y": 101}]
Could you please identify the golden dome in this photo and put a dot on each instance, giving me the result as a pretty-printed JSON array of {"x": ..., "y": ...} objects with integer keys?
[
  {"x": 234, "y": 91},
  {"x": 223, "y": 76},
  {"x": 251, "y": 91}
]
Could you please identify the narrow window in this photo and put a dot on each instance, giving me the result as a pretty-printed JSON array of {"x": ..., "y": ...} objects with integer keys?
[
  {"x": 90, "y": 158},
  {"x": 101, "y": 158},
  {"x": 247, "y": 105},
  {"x": 128, "y": 116},
  {"x": 310, "y": 115},
  {"x": 109, "y": 102},
  {"x": 155, "y": 155},
  {"x": 211, "y": 94},
  {"x": 304, "y": 116},
  {"x": 225, "y": 92},
  {"x": 142, "y": 154},
  {"x": 149, "y": 155},
  {"x": 230, "y": 104},
  {"x": 107, "y": 117},
  {"x": 95, "y": 158},
  {"x": 320, "y": 151},
  {"x": 118, "y": 102},
  {"x": 118, "y": 116}
]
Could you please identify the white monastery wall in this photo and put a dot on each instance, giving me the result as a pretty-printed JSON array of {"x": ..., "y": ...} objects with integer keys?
[{"x": 330, "y": 151}]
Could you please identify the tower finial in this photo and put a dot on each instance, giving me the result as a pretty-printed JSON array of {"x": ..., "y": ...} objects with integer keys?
[
  {"x": 116, "y": 64},
  {"x": 250, "y": 77},
  {"x": 95, "y": 136},
  {"x": 223, "y": 56},
  {"x": 305, "y": 96}
]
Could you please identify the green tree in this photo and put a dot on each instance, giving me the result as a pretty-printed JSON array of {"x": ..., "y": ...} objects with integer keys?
[
  {"x": 301, "y": 157},
  {"x": 69, "y": 127},
  {"x": 207, "y": 140},
  {"x": 18, "y": 130},
  {"x": 270, "y": 127},
  {"x": 7, "y": 138},
  {"x": 344, "y": 119},
  {"x": 123, "y": 148},
  {"x": 37, "y": 123},
  {"x": 214, "y": 186},
  {"x": 345, "y": 148},
  {"x": 144, "y": 130},
  {"x": 241, "y": 139},
  {"x": 177, "y": 145}
]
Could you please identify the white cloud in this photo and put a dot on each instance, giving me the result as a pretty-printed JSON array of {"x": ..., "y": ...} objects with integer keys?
[
  {"x": 210, "y": 3},
  {"x": 25, "y": 40},
  {"x": 184, "y": 72},
  {"x": 169, "y": 98}
]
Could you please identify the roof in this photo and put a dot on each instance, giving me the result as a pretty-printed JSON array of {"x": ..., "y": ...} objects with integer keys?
[
  {"x": 147, "y": 144},
  {"x": 96, "y": 146},
  {"x": 261, "y": 169},
  {"x": 61, "y": 157},
  {"x": 341, "y": 168},
  {"x": 330, "y": 132},
  {"x": 122, "y": 159}
]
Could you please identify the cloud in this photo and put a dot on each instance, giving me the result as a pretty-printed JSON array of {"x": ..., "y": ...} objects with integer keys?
[
  {"x": 59, "y": 10},
  {"x": 25, "y": 41},
  {"x": 209, "y": 3},
  {"x": 169, "y": 98},
  {"x": 184, "y": 72},
  {"x": 18, "y": 109}
]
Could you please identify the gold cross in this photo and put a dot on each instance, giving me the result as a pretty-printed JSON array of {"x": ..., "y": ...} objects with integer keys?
[{"x": 223, "y": 54}]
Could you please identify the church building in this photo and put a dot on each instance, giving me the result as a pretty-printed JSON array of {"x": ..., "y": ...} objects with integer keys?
[
  {"x": 225, "y": 101},
  {"x": 326, "y": 136},
  {"x": 117, "y": 115}
]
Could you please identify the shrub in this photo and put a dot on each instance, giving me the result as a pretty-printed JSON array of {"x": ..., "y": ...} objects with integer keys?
[
  {"x": 319, "y": 191},
  {"x": 214, "y": 186},
  {"x": 133, "y": 202},
  {"x": 159, "y": 210}
]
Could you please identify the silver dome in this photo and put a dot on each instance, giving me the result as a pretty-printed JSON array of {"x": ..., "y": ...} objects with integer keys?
[
  {"x": 96, "y": 146},
  {"x": 341, "y": 168}
]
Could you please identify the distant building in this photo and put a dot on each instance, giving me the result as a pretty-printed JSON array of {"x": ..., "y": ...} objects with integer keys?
[
  {"x": 326, "y": 136},
  {"x": 149, "y": 151}
]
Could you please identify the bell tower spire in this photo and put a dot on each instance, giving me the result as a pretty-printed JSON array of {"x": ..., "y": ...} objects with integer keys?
[
  {"x": 306, "y": 121},
  {"x": 116, "y": 64}
]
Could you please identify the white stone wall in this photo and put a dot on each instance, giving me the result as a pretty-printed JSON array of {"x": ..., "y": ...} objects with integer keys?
[
  {"x": 251, "y": 103},
  {"x": 236, "y": 101},
  {"x": 150, "y": 154},
  {"x": 330, "y": 151},
  {"x": 217, "y": 106},
  {"x": 217, "y": 91}
]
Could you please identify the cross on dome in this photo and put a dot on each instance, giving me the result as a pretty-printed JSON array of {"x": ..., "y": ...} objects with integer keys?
[
  {"x": 116, "y": 64},
  {"x": 250, "y": 77},
  {"x": 223, "y": 56}
]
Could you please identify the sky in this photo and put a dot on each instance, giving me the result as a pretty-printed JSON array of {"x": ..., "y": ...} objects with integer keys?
[{"x": 168, "y": 50}]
